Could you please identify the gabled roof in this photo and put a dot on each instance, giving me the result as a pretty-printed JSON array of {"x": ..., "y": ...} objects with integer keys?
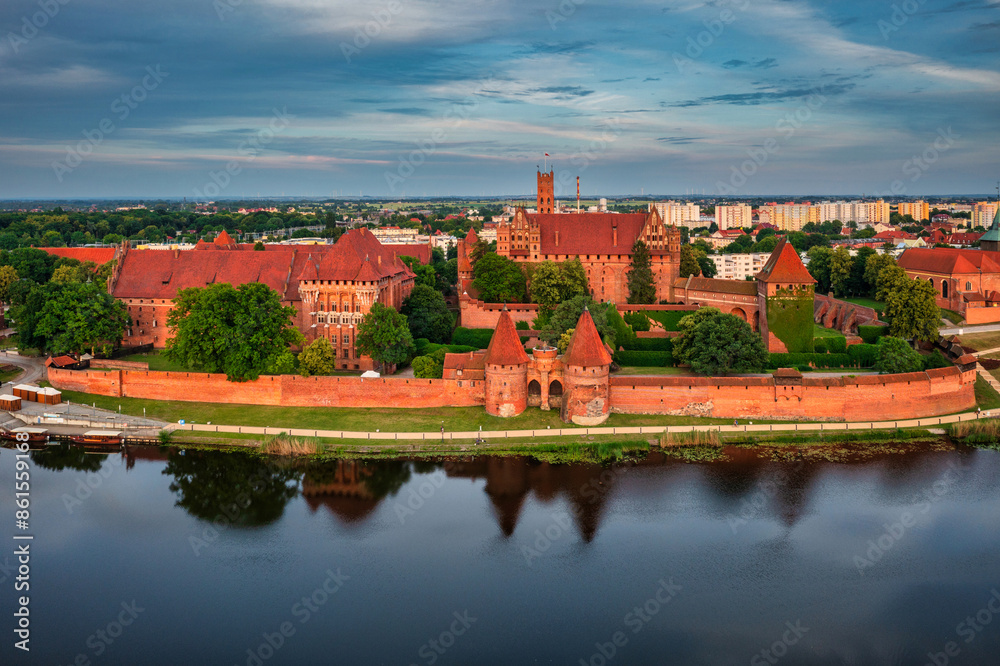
[
  {"x": 464, "y": 265},
  {"x": 419, "y": 251},
  {"x": 949, "y": 260},
  {"x": 224, "y": 239},
  {"x": 98, "y": 255},
  {"x": 471, "y": 238},
  {"x": 505, "y": 346},
  {"x": 784, "y": 265},
  {"x": 589, "y": 233},
  {"x": 586, "y": 349}
]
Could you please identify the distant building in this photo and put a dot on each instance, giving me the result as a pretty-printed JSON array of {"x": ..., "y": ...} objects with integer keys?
[
  {"x": 387, "y": 235},
  {"x": 723, "y": 237},
  {"x": 734, "y": 216},
  {"x": 983, "y": 213},
  {"x": 738, "y": 266},
  {"x": 918, "y": 210},
  {"x": 678, "y": 214}
]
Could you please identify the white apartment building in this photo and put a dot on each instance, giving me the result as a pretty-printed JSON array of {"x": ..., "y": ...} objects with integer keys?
[
  {"x": 678, "y": 214},
  {"x": 861, "y": 212},
  {"x": 982, "y": 213},
  {"x": 739, "y": 266}
]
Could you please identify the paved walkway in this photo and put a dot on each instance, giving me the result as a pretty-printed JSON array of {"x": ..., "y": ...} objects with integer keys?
[
  {"x": 976, "y": 328},
  {"x": 34, "y": 368},
  {"x": 492, "y": 435},
  {"x": 986, "y": 351}
]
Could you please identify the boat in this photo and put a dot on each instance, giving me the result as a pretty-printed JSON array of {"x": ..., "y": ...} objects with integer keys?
[
  {"x": 38, "y": 438},
  {"x": 99, "y": 439}
]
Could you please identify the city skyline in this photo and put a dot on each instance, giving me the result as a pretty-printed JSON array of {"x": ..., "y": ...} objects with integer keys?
[{"x": 270, "y": 98}]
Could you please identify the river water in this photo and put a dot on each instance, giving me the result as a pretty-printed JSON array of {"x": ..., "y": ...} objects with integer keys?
[{"x": 198, "y": 557}]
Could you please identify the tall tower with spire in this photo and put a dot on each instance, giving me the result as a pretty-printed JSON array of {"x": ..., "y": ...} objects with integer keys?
[{"x": 546, "y": 192}]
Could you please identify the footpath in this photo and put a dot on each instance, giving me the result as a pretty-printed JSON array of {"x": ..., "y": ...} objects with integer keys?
[{"x": 739, "y": 426}]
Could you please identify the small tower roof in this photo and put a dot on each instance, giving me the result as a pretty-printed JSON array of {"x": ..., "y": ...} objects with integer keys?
[
  {"x": 471, "y": 238},
  {"x": 224, "y": 239},
  {"x": 784, "y": 265},
  {"x": 464, "y": 265},
  {"x": 586, "y": 349},
  {"x": 505, "y": 346}
]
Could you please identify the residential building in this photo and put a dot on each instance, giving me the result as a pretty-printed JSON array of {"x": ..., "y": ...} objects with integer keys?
[
  {"x": 733, "y": 216},
  {"x": 738, "y": 266},
  {"x": 677, "y": 214},
  {"x": 983, "y": 213},
  {"x": 918, "y": 210}
]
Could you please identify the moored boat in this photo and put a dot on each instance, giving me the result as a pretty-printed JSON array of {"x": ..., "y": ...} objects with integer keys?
[
  {"x": 99, "y": 439},
  {"x": 37, "y": 438}
]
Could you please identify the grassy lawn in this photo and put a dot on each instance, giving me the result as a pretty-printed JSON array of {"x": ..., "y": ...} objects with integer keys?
[
  {"x": 877, "y": 306},
  {"x": 629, "y": 370},
  {"x": 9, "y": 372},
  {"x": 340, "y": 418},
  {"x": 952, "y": 316},
  {"x": 820, "y": 332},
  {"x": 986, "y": 396},
  {"x": 978, "y": 341}
]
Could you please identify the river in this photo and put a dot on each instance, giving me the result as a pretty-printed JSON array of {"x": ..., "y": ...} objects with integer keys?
[{"x": 206, "y": 557}]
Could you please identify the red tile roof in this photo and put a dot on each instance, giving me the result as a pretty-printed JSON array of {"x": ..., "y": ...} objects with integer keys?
[
  {"x": 742, "y": 287},
  {"x": 471, "y": 238},
  {"x": 589, "y": 233},
  {"x": 98, "y": 255},
  {"x": 967, "y": 238},
  {"x": 894, "y": 234},
  {"x": 505, "y": 346},
  {"x": 585, "y": 346},
  {"x": 224, "y": 239},
  {"x": 419, "y": 251},
  {"x": 949, "y": 261},
  {"x": 784, "y": 265},
  {"x": 464, "y": 265}
]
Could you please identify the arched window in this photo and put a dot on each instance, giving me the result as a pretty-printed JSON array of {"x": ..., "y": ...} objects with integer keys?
[
  {"x": 944, "y": 288},
  {"x": 968, "y": 286}
]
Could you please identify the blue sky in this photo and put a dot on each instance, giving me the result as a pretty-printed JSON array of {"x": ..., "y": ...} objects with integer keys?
[{"x": 746, "y": 97}]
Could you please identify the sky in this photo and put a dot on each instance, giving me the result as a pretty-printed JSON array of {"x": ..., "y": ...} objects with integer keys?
[{"x": 210, "y": 99}]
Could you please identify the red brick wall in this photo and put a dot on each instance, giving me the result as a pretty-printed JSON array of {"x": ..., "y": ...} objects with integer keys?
[
  {"x": 118, "y": 365},
  {"x": 287, "y": 390},
  {"x": 863, "y": 398},
  {"x": 477, "y": 314}
]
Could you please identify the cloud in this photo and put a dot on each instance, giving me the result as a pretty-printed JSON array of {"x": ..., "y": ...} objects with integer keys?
[{"x": 756, "y": 98}]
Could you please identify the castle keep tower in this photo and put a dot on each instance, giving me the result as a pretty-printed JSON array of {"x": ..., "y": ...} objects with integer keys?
[
  {"x": 785, "y": 291},
  {"x": 587, "y": 399},
  {"x": 546, "y": 192},
  {"x": 506, "y": 370}
]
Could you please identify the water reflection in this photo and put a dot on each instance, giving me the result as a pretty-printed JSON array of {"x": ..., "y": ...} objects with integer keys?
[
  {"x": 65, "y": 456},
  {"x": 210, "y": 482}
]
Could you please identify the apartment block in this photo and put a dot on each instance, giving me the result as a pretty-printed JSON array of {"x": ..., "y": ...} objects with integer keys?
[
  {"x": 738, "y": 266},
  {"x": 678, "y": 214},
  {"x": 734, "y": 216},
  {"x": 919, "y": 210}
]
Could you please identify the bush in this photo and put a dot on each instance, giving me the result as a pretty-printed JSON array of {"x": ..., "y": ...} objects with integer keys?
[
  {"x": 936, "y": 360},
  {"x": 837, "y": 345},
  {"x": 521, "y": 325},
  {"x": 871, "y": 334},
  {"x": 668, "y": 318},
  {"x": 819, "y": 345},
  {"x": 637, "y": 320},
  {"x": 472, "y": 337},
  {"x": 427, "y": 367},
  {"x": 624, "y": 335},
  {"x": 804, "y": 368},
  {"x": 862, "y": 355},
  {"x": 644, "y": 359}
]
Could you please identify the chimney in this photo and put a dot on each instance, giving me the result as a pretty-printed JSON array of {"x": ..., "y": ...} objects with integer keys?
[
  {"x": 614, "y": 234},
  {"x": 380, "y": 260},
  {"x": 557, "y": 238}
]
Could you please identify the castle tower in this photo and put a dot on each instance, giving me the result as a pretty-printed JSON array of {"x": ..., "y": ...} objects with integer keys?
[
  {"x": 587, "y": 364},
  {"x": 785, "y": 292},
  {"x": 546, "y": 192},
  {"x": 506, "y": 370}
]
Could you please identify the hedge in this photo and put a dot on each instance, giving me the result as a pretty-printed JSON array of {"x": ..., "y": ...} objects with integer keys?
[
  {"x": 624, "y": 336},
  {"x": 644, "y": 359},
  {"x": 871, "y": 334},
  {"x": 472, "y": 337},
  {"x": 819, "y": 345},
  {"x": 668, "y": 318},
  {"x": 793, "y": 360},
  {"x": 651, "y": 344},
  {"x": 637, "y": 320},
  {"x": 837, "y": 345},
  {"x": 863, "y": 355}
]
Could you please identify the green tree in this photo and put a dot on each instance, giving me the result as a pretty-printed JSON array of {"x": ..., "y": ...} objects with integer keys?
[
  {"x": 765, "y": 244},
  {"x": 891, "y": 279},
  {"x": 236, "y": 331},
  {"x": 30, "y": 263},
  {"x": 707, "y": 266},
  {"x": 911, "y": 309},
  {"x": 479, "y": 250},
  {"x": 720, "y": 344},
  {"x": 427, "y": 367},
  {"x": 384, "y": 335},
  {"x": 856, "y": 285},
  {"x": 553, "y": 283},
  {"x": 840, "y": 264},
  {"x": 78, "y": 317},
  {"x": 499, "y": 279},
  {"x": 819, "y": 267},
  {"x": 427, "y": 315},
  {"x": 318, "y": 358},
  {"x": 282, "y": 364},
  {"x": 687, "y": 323},
  {"x": 874, "y": 266},
  {"x": 8, "y": 276},
  {"x": 568, "y": 314},
  {"x": 640, "y": 276},
  {"x": 258, "y": 247},
  {"x": 689, "y": 262},
  {"x": 894, "y": 355}
]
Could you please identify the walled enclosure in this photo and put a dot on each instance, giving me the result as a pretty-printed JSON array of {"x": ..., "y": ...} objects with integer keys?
[{"x": 871, "y": 397}]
